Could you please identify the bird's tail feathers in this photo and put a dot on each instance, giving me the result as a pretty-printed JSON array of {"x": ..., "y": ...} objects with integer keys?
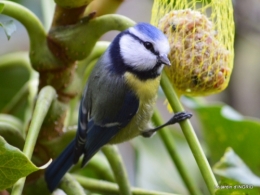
[{"x": 59, "y": 167}]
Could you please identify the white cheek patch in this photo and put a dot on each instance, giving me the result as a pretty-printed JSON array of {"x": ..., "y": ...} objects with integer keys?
[{"x": 135, "y": 54}]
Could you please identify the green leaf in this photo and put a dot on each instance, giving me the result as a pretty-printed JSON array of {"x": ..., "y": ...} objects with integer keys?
[
  {"x": 223, "y": 127},
  {"x": 9, "y": 27},
  {"x": 230, "y": 187},
  {"x": 15, "y": 73},
  {"x": 1, "y": 7},
  {"x": 237, "y": 178},
  {"x": 11, "y": 134},
  {"x": 13, "y": 165},
  {"x": 232, "y": 167}
]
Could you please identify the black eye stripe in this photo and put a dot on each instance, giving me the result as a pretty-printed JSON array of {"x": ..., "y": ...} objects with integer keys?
[
  {"x": 149, "y": 46},
  {"x": 144, "y": 43}
]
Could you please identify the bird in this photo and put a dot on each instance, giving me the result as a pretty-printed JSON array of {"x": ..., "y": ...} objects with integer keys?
[{"x": 118, "y": 100}]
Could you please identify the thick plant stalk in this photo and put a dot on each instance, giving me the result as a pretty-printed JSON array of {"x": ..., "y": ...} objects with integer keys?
[
  {"x": 46, "y": 97},
  {"x": 116, "y": 163},
  {"x": 168, "y": 142},
  {"x": 190, "y": 136}
]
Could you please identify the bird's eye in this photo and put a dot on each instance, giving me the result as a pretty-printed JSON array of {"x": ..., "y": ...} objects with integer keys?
[{"x": 149, "y": 46}]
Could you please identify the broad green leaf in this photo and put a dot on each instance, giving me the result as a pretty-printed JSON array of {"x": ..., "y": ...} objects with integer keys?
[
  {"x": 11, "y": 134},
  {"x": 11, "y": 130},
  {"x": 9, "y": 28},
  {"x": 230, "y": 187},
  {"x": 236, "y": 177},
  {"x": 232, "y": 167},
  {"x": 15, "y": 73},
  {"x": 223, "y": 127},
  {"x": 13, "y": 165}
]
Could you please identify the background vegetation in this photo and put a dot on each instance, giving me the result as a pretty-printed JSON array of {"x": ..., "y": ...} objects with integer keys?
[{"x": 162, "y": 164}]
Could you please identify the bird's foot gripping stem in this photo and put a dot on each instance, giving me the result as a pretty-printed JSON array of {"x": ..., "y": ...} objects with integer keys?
[{"x": 178, "y": 117}]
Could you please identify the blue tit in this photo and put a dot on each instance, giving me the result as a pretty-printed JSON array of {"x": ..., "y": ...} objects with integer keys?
[{"x": 118, "y": 99}]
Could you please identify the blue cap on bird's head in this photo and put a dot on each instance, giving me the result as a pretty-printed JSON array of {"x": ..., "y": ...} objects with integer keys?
[
  {"x": 148, "y": 33},
  {"x": 150, "y": 30}
]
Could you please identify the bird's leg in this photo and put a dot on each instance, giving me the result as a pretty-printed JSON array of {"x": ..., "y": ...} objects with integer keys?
[{"x": 178, "y": 117}]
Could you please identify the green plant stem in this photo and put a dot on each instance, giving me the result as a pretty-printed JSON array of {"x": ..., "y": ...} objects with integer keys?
[
  {"x": 70, "y": 186},
  {"x": 87, "y": 31},
  {"x": 190, "y": 135},
  {"x": 26, "y": 17},
  {"x": 45, "y": 98},
  {"x": 105, "y": 187},
  {"x": 112, "y": 154},
  {"x": 168, "y": 142},
  {"x": 97, "y": 51},
  {"x": 98, "y": 163},
  {"x": 37, "y": 35},
  {"x": 14, "y": 59},
  {"x": 72, "y": 4},
  {"x": 103, "y": 7},
  {"x": 102, "y": 168},
  {"x": 12, "y": 120}
]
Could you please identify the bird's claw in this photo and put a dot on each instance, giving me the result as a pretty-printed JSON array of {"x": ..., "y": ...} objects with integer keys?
[{"x": 180, "y": 116}]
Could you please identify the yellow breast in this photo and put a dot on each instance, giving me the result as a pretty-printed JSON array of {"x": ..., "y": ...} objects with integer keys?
[{"x": 146, "y": 91}]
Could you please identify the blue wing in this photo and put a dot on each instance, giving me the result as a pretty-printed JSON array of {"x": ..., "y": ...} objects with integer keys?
[
  {"x": 91, "y": 136},
  {"x": 101, "y": 134}
]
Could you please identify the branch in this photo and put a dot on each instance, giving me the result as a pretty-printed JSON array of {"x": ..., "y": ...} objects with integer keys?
[
  {"x": 190, "y": 136},
  {"x": 87, "y": 33},
  {"x": 117, "y": 166},
  {"x": 46, "y": 97},
  {"x": 105, "y": 187},
  {"x": 168, "y": 142},
  {"x": 70, "y": 186}
]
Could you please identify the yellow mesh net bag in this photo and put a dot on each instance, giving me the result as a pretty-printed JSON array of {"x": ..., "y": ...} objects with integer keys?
[{"x": 201, "y": 36}]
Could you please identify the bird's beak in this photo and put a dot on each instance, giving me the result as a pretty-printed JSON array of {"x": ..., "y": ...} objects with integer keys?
[{"x": 164, "y": 60}]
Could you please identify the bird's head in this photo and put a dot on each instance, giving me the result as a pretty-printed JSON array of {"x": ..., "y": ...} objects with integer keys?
[{"x": 143, "y": 50}]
